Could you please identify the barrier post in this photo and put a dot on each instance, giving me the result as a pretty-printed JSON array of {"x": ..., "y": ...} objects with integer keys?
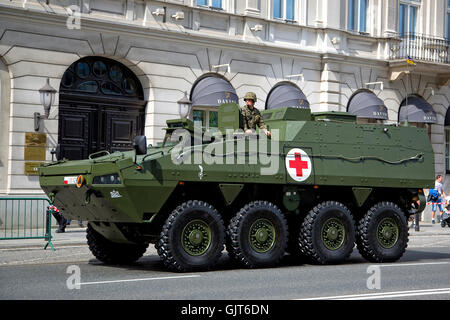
[{"x": 49, "y": 229}]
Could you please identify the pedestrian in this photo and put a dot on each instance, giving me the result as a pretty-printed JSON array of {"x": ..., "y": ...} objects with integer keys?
[
  {"x": 251, "y": 116},
  {"x": 414, "y": 215},
  {"x": 437, "y": 199},
  {"x": 62, "y": 222}
]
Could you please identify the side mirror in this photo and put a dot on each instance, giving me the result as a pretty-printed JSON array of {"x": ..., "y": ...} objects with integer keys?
[{"x": 140, "y": 145}]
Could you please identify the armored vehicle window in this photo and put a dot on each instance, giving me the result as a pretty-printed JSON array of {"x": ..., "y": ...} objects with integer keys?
[
  {"x": 174, "y": 137},
  {"x": 369, "y": 120}
]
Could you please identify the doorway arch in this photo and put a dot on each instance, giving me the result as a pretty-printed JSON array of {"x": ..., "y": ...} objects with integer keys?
[{"x": 101, "y": 107}]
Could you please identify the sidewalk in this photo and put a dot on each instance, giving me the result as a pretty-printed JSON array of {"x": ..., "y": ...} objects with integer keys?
[
  {"x": 428, "y": 229},
  {"x": 77, "y": 236},
  {"x": 72, "y": 236}
]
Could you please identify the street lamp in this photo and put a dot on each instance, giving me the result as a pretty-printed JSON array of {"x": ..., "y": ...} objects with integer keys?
[
  {"x": 184, "y": 106},
  {"x": 47, "y": 93}
]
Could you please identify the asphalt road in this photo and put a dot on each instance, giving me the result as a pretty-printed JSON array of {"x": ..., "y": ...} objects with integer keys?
[{"x": 71, "y": 272}]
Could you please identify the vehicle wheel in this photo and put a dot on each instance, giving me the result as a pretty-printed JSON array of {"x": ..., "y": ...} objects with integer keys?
[
  {"x": 111, "y": 252},
  {"x": 258, "y": 235},
  {"x": 327, "y": 234},
  {"x": 192, "y": 238},
  {"x": 382, "y": 234}
]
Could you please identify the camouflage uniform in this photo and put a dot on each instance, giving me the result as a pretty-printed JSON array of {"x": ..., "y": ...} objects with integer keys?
[{"x": 252, "y": 118}]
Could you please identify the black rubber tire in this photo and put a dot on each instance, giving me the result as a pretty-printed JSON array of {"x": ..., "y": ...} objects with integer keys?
[
  {"x": 239, "y": 247},
  {"x": 111, "y": 252},
  {"x": 310, "y": 239},
  {"x": 443, "y": 224},
  {"x": 366, "y": 236},
  {"x": 169, "y": 244}
]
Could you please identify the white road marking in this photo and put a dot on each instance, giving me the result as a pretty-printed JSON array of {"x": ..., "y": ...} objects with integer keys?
[
  {"x": 384, "y": 295},
  {"x": 142, "y": 279},
  {"x": 410, "y": 264}
]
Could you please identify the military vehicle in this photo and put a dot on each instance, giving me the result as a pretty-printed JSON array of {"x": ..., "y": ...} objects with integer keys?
[{"x": 321, "y": 183}]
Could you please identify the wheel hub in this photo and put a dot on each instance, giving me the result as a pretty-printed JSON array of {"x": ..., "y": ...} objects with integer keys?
[
  {"x": 387, "y": 233},
  {"x": 196, "y": 238},
  {"x": 262, "y": 235},
  {"x": 333, "y": 234}
]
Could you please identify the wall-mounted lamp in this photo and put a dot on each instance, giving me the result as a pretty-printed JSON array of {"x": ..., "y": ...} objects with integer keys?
[
  {"x": 336, "y": 40},
  {"x": 184, "y": 106},
  {"x": 257, "y": 28},
  {"x": 222, "y": 65},
  {"x": 159, "y": 12},
  {"x": 179, "y": 15},
  {"x": 47, "y": 93},
  {"x": 377, "y": 82},
  {"x": 300, "y": 75}
]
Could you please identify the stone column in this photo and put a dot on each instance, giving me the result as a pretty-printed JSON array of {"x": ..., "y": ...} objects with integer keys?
[
  {"x": 330, "y": 86},
  {"x": 5, "y": 92}
]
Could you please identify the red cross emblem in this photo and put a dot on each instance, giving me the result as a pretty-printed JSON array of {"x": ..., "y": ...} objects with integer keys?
[{"x": 298, "y": 164}]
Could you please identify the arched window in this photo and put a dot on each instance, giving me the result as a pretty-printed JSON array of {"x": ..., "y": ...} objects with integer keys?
[
  {"x": 101, "y": 76},
  {"x": 367, "y": 107},
  {"x": 207, "y": 94},
  {"x": 286, "y": 94}
]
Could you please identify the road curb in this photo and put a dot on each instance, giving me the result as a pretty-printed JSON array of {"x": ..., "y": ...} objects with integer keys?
[{"x": 35, "y": 245}]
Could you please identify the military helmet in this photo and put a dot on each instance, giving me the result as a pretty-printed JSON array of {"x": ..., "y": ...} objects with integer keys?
[{"x": 250, "y": 96}]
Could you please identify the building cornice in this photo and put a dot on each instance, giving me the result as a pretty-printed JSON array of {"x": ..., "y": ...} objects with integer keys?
[{"x": 188, "y": 36}]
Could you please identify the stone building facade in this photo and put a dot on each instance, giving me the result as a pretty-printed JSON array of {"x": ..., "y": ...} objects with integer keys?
[{"x": 328, "y": 49}]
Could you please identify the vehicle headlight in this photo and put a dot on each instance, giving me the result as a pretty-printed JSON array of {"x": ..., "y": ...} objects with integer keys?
[{"x": 107, "y": 179}]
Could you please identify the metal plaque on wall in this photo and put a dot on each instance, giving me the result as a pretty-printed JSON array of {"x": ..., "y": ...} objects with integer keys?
[
  {"x": 34, "y": 153},
  {"x": 35, "y": 146},
  {"x": 31, "y": 168},
  {"x": 35, "y": 139}
]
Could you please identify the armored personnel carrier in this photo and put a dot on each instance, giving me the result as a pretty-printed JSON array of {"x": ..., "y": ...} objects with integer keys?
[{"x": 320, "y": 183}]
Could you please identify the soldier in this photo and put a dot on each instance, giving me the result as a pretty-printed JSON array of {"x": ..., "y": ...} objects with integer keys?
[{"x": 251, "y": 115}]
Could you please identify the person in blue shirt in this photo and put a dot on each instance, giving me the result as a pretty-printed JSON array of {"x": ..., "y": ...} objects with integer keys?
[{"x": 438, "y": 203}]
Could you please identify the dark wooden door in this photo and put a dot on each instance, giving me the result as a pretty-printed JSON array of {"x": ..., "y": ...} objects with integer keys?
[
  {"x": 88, "y": 128},
  {"x": 101, "y": 108},
  {"x": 75, "y": 131}
]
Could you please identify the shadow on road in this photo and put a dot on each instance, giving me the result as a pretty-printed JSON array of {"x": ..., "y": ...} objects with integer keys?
[{"x": 152, "y": 263}]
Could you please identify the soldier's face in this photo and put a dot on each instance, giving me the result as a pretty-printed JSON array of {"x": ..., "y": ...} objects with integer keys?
[{"x": 250, "y": 103}]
